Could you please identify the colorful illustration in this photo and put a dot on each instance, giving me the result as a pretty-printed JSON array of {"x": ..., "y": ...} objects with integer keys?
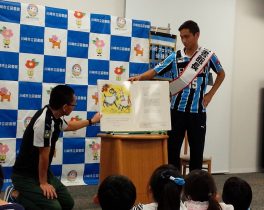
[
  {"x": 95, "y": 98},
  {"x": 32, "y": 10},
  {"x": 72, "y": 175},
  {"x": 3, "y": 151},
  {"x": 125, "y": 101},
  {"x": 5, "y": 94},
  {"x": 119, "y": 71},
  {"x": 55, "y": 41},
  {"x": 120, "y": 22},
  {"x": 111, "y": 99},
  {"x": 27, "y": 121},
  {"x": 95, "y": 149},
  {"x": 115, "y": 99},
  {"x": 76, "y": 70},
  {"x": 7, "y": 34},
  {"x": 31, "y": 64},
  {"x": 79, "y": 15},
  {"x": 99, "y": 43},
  {"x": 139, "y": 50}
]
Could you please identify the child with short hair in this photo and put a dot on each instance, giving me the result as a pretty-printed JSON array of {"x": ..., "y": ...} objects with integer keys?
[
  {"x": 237, "y": 192},
  {"x": 201, "y": 192},
  {"x": 116, "y": 192},
  {"x": 165, "y": 186}
]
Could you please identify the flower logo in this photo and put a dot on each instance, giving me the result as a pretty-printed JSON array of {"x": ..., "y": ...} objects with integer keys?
[
  {"x": 119, "y": 71},
  {"x": 31, "y": 64},
  {"x": 79, "y": 15}
]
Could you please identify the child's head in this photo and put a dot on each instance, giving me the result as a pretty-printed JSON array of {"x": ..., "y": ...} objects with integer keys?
[
  {"x": 116, "y": 192},
  {"x": 237, "y": 192},
  {"x": 200, "y": 186},
  {"x": 166, "y": 185}
]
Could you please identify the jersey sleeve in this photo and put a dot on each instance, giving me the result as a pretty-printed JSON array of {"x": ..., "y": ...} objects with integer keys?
[
  {"x": 42, "y": 131},
  {"x": 215, "y": 64},
  {"x": 166, "y": 63}
]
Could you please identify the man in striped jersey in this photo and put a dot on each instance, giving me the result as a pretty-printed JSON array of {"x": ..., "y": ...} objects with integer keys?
[
  {"x": 38, "y": 188},
  {"x": 188, "y": 105}
]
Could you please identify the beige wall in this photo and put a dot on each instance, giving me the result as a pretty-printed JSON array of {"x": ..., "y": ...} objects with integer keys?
[
  {"x": 110, "y": 7},
  {"x": 245, "y": 64},
  {"x": 248, "y": 78}
]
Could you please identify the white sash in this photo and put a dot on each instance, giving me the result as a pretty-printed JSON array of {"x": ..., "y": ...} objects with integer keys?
[{"x": 191, "y": 71}]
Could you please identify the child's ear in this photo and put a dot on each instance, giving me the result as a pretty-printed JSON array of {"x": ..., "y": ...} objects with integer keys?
[
  {"x": 218, "y": 197},
  {"x": 150, "y": 192},
  {"x": 95, "y": 199}
]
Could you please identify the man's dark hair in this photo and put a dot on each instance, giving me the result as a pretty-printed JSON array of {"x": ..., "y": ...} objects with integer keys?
[
  {"x": 116, "y": 192},
  {"x": 237, "y": 192},
  {"x": 191, "y": 25},
  {"x": 61, "y": 95}
]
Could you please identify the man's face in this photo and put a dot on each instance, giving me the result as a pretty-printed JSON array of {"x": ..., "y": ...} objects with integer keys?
[
  {"x": 70, "y": 107},
  {"x": 188, "y": 39}
]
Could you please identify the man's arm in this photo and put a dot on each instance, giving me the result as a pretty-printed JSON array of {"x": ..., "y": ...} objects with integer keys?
[
  {"x": 76, "y": 125},
  {"x": 48, "y": 190},
  {"x": 218, "y": 81},
  {"x": 147, "y": 75}
]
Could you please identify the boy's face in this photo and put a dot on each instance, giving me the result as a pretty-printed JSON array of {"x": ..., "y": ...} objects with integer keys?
[{"x": 188, "y": 39}]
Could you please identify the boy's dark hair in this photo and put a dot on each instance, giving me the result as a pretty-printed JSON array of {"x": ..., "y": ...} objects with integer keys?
[
  {"x": 191, "y": 25},
  {"x": 237, "y": 192},
  {"x": 1, "y": 177},
  {"x": 200, "y": 186},
  {"x": 165, "y": 191},
  {"x": 116, "y": 192},
  {"x": 60, "y": 95}
]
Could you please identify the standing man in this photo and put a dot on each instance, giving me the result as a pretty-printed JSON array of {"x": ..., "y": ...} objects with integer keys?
[
  {"x": 188, "y": 105},
  {"x": 35, "y": 185}
]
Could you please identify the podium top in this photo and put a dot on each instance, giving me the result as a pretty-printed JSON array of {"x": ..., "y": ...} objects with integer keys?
[{"x": 133, "y": 136}]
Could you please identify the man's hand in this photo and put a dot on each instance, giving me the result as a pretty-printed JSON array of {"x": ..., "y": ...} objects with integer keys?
[
  {"x": 48, "y": 191},
  {"x": 207, "y": 98},
  {"x": 135, "y": 78},
  {"x": 96, "y": 118}
]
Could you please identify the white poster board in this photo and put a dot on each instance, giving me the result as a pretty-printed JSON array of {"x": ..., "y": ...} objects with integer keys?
[{"x": 131, "y": 107}]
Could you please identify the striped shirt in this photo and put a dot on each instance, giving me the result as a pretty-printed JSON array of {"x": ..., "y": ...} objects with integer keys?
[
  {"x": 191, "y": 97},
  {"x": 43, "y": 131}
]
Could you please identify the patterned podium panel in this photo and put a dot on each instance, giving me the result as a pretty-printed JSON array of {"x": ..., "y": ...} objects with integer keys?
[{"x": 41, "y": 47}]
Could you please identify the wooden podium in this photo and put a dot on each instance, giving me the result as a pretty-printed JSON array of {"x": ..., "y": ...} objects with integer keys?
[{"x": 135, "y": 156}]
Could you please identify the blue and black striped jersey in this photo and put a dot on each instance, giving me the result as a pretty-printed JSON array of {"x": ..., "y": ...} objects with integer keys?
[{"x": 191, "y": 97}]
